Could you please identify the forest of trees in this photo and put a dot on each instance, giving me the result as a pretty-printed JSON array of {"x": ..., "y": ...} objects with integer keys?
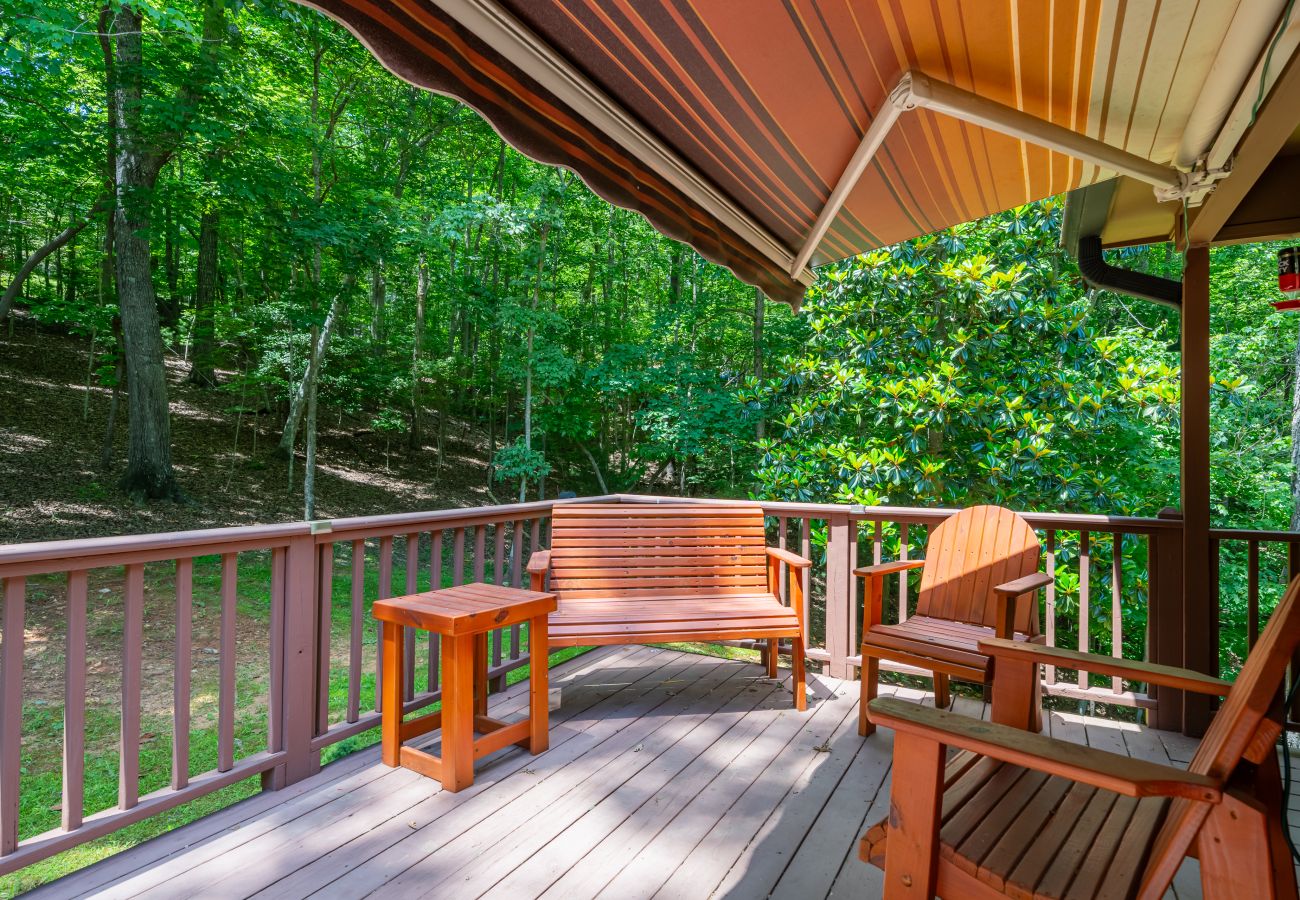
[{"x": 240, "y": 185}]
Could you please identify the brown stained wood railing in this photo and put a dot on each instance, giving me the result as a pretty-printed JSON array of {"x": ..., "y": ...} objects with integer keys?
[{"x": 314, "y": 623}]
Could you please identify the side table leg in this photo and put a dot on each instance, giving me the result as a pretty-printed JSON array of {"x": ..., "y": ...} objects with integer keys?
[
  {"x": 539, "y": 703},
  {"x": 480, "y": 674},
  {"x": 391, "y": 698},
  {"x": 458, "y": 712}
]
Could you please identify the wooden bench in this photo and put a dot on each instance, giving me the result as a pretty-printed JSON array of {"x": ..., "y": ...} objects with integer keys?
[{"x": 637, "y": 573}]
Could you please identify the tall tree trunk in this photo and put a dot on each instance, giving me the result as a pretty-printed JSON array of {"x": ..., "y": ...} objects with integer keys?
[
  {"x": 203, "y": 363},
  {"x": 149, "y": 454}
]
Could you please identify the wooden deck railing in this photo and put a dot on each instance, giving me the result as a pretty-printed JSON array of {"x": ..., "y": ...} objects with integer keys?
[{"x": 317, "y": 660}]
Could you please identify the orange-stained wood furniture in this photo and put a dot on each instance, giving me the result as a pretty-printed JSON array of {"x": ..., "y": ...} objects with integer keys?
[
  {"x": 636, "y": 573},
  {"x": 1024, "y": 815},
  {"x": 979, "y": 580},
  {"x": 463, "y": 615}
]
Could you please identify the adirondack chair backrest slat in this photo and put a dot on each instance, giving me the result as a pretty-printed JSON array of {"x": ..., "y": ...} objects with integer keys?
[
  {"x": 970, "y": 554},
  {"x": 648, "y": 550},
  {"x": 1230, "y": 733}
]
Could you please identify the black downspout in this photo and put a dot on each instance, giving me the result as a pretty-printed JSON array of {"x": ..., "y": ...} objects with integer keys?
[{"x": 1101, "y": 274}]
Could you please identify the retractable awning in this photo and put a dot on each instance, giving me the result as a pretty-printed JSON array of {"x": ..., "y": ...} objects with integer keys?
[{"x": 729, "y": 123}]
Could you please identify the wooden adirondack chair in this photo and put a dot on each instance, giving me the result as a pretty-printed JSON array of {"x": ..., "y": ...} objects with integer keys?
[
  {"x": 979, "y": 580},
  {"x": 1024, "y": 815}
]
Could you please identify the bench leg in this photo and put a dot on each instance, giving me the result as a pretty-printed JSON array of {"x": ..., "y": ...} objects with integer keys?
[
  {"x": 773, "y": 655},
  {"x": 797, "y": 677},
  {"x": 539, "y": 701},
  {"x": 458, "y": 712},
  {"x": 868, "y": 673},
  {"x": 391, "y": 696},
  {"x": 942, "y": 697}
]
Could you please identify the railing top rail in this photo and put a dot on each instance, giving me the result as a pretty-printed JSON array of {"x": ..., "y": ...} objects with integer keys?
[
  {"x": 1249, "y": 534},
  {"x": 934, "y": 515},
  {"x": 83, "y": 548}
]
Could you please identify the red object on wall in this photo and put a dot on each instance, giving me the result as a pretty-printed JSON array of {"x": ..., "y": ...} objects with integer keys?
[{"x": 1288, "y": 278}]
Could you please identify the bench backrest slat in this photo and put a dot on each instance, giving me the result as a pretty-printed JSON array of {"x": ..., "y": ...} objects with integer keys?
[{"x": 633, "y": 550}]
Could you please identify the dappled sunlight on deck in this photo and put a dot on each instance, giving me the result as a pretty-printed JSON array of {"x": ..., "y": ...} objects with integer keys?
[{"x": 670, "y": 775}]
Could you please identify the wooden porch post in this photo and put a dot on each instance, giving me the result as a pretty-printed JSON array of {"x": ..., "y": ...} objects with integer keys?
[{"x": 1198, "y": 617}]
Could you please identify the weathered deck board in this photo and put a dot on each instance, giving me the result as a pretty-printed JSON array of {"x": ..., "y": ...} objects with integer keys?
[{"x": 669, "y": 775}]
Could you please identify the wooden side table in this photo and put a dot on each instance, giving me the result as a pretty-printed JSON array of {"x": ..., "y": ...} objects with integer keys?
[{"x": 463, "y": 616}]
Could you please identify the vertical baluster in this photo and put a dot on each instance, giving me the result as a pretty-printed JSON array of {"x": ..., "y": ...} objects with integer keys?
[
  {"x": 535, "y": 542},
  {"x": 325, "y": 631},
  {"x": 1085, "y": 561},
  {"x": 1049, "y": 617},
  {"x": 498, "y": 577},
  {"x": 805, "y": 550},
  {"x": 384, "y": 590},
  {"x": 128, "y": 786},
  {"x": 903, "y": 550},
  {"x": 226, "y": 675},
  {"x": 1216, "y": 606},
  {"x": 184, "y": 664},
  {"x": 435, "y": 583},
  {"x": 1116, "y": 608},
  {"x": 480, "y": 551},
  {"x": 279, "y": 596},
  {"x": 11, "y": 709},
  {"x": 1252, "y": 593},
  {"x": 356, "y": 623},
  {"x": 74, "y": 704},
  {"x": 781, "y": 587},
  {"x": 516, "y": 580},
  {"x": 458, "y": 557},
  {"x": 408, "y": 638}
]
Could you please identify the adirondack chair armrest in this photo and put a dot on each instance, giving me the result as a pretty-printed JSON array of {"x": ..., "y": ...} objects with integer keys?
[
  {"x": 1109, "y": 771},
  {"x": 875, "y": 576},
  {"x": 1008, "y": 597},
  {"x": 794, "y": 560},
  {"x": 1150, "y": 673},
  {"x": 538, "y": 565}
]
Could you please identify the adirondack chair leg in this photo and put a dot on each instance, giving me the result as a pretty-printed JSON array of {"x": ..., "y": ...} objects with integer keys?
[
  {"x": 912, "y": 861},
  {"x": 797, "y": 676},
  {"x": 942, "y": 697},
  {"x": 869, "y": 674},
  {"x": 773, "y": 656},
  {"x": 1233, "y": 847}
]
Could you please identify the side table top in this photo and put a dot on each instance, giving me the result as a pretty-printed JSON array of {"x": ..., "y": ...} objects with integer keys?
[{"x": 465, "y": 609}]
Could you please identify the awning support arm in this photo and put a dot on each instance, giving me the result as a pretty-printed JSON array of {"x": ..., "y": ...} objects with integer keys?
[{"x": 916, "y": 90}]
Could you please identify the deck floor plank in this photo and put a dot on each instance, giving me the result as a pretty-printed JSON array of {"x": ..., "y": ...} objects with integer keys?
[{"x": 670, "y": 775}]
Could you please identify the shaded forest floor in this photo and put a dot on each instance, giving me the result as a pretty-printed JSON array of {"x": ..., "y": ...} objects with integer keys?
[{"x": 52, "y": 431}]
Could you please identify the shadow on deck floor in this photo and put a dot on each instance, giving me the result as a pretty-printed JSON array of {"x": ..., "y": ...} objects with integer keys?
[{"x": 669, "y": 775}]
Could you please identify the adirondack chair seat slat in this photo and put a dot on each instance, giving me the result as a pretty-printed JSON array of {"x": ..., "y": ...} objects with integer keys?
[
  {"x": 928, "y": 638},
  {"x": 628, "y": 573},
  {"x": 980, "y": 564},
  {"x": 1027, "y": 834}
]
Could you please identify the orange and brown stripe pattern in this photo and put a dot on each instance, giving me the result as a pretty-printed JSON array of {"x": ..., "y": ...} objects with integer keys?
[{"x": 768, "y": 99}]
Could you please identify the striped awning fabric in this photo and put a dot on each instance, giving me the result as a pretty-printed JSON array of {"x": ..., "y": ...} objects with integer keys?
[{"x": 766, "y": 100}]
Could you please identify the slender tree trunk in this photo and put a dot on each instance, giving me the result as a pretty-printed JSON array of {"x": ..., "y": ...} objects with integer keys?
[
  {"x": 309, "y": 469},
  {"x": 417, "y": 350},
  {"x": 532, "y": 332},
  {"x": 41, "y": 253},
  {"x": 1295, "y": 442},
  {"x": 758, "y": 353},
  {"x": 316, "y": 355},
  {"x": 203, "y": 364},
  {"x": 378, "y": 298}
]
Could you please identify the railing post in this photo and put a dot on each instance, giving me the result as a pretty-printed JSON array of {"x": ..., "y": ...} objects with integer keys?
[
  {"x": 839, "y": 543},
  {"x": 298, "y": 684},
  {"x": 1165, "y": 617}
]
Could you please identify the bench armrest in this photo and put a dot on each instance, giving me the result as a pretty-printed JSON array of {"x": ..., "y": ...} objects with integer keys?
[
  {"x": 1008, "y": 598},
  {"x": 1109, "y": 771},
  {"x": 1021, "y": 586},
  {"x": 538, "y": 565},
  {"x": 1151, "y": 673},
  {"x": 794, "y": 560}
]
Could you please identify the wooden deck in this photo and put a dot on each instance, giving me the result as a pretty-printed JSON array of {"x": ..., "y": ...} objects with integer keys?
[{"x": 670, "y": 775}]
